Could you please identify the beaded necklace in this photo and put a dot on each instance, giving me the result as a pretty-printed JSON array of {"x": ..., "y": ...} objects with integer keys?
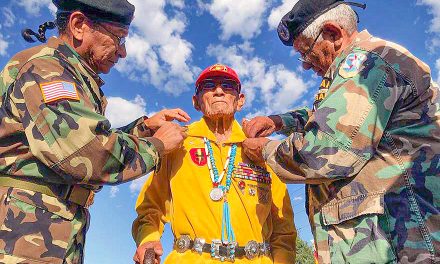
[{"x": 218, "y": 191}]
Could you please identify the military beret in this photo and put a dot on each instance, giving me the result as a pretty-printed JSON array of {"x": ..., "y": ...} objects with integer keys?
[
  {"x": 303, "y": 13},
  {"x": 116, "y": 11}
]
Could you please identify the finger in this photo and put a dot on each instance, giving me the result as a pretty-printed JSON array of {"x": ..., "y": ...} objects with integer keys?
[
  {"x": 173, "y": 115},
  {"x": 183, "y": 114},
  {"x": 158, "y": 250},
  {"x": 136, "y": 258}
]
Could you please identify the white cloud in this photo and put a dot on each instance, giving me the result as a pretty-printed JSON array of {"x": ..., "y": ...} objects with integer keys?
[
  {"x": 8, "y": 17},
  {"x": 437, "y": 66},
  {"x": 113, "y": 191},
  {"x": 136, "y": 185},
  {"x": 297, "y": 198},
  {"x": 434, "y": 10},
  {"x": 278, "y": 12},
  {"x": 3, "y": 45},
  {"x": 157, "y": 52},
  {"x": 33, "y": 6},
  {"x": 272, "y": 88},
  {"x": 120, "y": 111},
  {"x": 238, "y": 17}
]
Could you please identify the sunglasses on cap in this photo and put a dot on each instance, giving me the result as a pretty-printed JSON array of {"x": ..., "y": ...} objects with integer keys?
[{"x": 211, "y": 84}]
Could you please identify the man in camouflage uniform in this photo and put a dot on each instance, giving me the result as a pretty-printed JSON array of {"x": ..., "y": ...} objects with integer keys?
[
  {"x": 57, "y": 148},
  {"x": 369, "y": 151}
]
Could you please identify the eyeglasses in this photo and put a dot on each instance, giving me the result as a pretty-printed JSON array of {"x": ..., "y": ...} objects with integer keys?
[
  {"x": 121, "y": 40},
  {"x": 305, "y": 56},
  {"x": 211, "y": 84}
]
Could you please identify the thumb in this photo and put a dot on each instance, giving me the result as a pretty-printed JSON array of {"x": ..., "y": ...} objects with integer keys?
[
  {"x": 244, "y": 121},
  {"x": 158, "y": 249}
]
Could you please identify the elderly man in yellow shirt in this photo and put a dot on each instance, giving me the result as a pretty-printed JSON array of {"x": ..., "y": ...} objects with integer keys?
[{"x": 221, "y": 206}]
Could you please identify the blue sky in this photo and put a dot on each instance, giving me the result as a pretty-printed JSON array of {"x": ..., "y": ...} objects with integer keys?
[{"x": 171, "y": 41}]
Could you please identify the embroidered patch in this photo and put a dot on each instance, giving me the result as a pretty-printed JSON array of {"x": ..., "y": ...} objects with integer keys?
[
  {"x": 352, "y": 65},
  {"x": 198, "y": 156},
  {"x": 54, "y": 91}
]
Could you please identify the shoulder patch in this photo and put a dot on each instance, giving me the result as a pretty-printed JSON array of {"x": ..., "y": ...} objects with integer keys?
[
  {"x": 58, "y": 90},
  {"x": 352, "y": 65}
]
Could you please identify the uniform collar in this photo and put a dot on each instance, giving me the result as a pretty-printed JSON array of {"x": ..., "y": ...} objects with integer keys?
[
  {"x": 67, "y": 52},
  {"x": 200, "y": 129}
]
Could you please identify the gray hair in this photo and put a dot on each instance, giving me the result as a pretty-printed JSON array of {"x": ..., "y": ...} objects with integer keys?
[{"x": 342, "y": 14}]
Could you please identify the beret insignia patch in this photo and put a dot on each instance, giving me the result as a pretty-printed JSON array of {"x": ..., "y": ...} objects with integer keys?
[
  {"x": 283, "y": 32},
  {"x": 218, "y": 67}
]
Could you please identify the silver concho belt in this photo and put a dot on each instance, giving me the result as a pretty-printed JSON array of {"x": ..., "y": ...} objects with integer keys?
[{"x": 221, "y": 250}]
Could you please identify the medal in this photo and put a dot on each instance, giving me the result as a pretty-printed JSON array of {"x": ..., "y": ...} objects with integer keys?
[{"x": 216, "y": 194}]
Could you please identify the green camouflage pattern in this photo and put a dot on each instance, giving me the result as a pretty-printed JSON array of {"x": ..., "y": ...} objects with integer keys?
[
  {"x": 67, "y": 141},
  {"x": 36, "y": 228},
  {"x": 370, "y": 155},
  {"x": 58, "y": 144}
]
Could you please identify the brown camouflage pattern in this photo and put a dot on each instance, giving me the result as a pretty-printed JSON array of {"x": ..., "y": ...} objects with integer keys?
[
  {"x": 58, "y": 144},
  {"x": 370, "y": 154}
]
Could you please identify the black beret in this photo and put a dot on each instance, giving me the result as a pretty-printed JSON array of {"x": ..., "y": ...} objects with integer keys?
[
  {"x": 116, "y": 11},
  {"x": 303, "y": 13}
]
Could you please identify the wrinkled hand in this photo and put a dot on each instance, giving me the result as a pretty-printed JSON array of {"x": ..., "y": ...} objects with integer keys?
[
  {"x": 261, "y": 126},
  {"x": 171, "y": 135},
  {"x": 253, "y": 148},
  {"x": 158, "y": 119},
  {"x": 138, "y": 257}
]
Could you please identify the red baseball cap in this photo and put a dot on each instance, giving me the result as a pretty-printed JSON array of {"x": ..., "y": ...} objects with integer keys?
[{"x": 218, "y": 70}]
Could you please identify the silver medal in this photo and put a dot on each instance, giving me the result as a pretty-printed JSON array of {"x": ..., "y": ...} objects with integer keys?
[{"x": 216, "y": 194}]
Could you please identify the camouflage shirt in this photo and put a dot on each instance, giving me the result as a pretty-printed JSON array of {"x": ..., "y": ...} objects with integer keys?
[
  {"x": 52, "y": 124},
  {"x": 370, "y": 154}
]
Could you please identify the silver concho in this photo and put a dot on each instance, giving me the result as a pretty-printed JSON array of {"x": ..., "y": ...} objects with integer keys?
[
  {"x": 198, "y": 245},
  {"x": 216, "y": 194},
  {"x": 251, "y": 249},
  {"x": 183, "y": 243}
]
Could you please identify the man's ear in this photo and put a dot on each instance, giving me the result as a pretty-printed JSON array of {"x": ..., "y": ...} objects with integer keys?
[
  {"x": 196, "y": 103},
  {"x": 77, "y": 24},
  {"x": 333, "y": 33},
  {"x": 241, "y": 101}
]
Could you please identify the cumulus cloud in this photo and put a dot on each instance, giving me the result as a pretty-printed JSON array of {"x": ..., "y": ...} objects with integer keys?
[
  {"x": 8, "y": 17},
  {"x": 4, "y": 44},
  {"x": 136, "y": 185},
  {"x": 434, "y": 10},
  {"x": 297, "y": 198},
  {"x": 113, "y": 191},
  {"x": 238, "y": 17},
  {"x": 269, "y": 88},
  {"x": 33, "y": 7},
  {"x": 157, "y": 52},
  {"x": 278, "y": 12},
  {"x": 120, "y": 111}
]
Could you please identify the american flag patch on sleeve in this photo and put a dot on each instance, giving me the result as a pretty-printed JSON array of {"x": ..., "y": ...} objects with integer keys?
[{"x": 54, "y": 91}]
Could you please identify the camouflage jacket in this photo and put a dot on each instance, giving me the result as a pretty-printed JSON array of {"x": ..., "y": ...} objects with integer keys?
[
  {"x": 52, "y": 124},
  {"x": 370, "y": 154}
]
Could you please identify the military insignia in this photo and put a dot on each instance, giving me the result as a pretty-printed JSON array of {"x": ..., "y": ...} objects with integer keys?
[
  {"x": 352, "y": 65},
  {"x": 198, "y": 156},
  {"x": 54, "y": 91},
  {"x": 283, "y": 32},
  {"x": 218, "y": 67},
  {"x": 322, "y": 92}
]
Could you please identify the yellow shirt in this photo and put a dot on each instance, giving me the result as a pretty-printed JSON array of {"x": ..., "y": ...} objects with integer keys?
[{"x": 179, "y": 194}]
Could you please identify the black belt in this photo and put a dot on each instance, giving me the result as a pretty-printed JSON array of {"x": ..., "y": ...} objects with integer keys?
[{"x": 220, "y": 250}]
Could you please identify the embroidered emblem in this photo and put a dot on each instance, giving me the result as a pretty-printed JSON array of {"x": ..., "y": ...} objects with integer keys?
[
  {"x": 198, "y": 156},
  {"x": 322, "y": 92},
  {"x": 218, "y": 67},
  {"x": 283, "y": 32},
  {"x": 352, "y": 65},
  {"x": 54, "y": 91}
]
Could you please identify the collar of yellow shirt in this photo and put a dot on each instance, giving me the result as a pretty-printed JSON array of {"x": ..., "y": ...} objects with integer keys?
[{"x": 201, "y": 129}]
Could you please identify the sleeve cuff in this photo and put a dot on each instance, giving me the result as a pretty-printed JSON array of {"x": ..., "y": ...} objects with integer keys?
[{"x": 147, "y": 234}]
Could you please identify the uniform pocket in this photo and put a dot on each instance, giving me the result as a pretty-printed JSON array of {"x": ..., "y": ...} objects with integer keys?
[
  {"x": 36, "y": 227},
  {"x": 357, "y": 230}
]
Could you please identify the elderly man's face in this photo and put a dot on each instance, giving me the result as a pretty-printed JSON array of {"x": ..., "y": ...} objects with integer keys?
[
  {"x": 218, "y": 101},
  {"x": 105, "y": 45}
]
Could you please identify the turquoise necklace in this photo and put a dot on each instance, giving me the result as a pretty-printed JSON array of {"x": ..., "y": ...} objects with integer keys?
[{"x": 218, "y": 191}]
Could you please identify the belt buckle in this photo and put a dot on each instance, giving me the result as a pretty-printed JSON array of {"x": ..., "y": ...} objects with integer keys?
[
  {"x": 252, "y": 249},
  {"x": 183, "y": 243},
  {"x": 90, "y": 199},
  {"x": 198, "y": 245}
]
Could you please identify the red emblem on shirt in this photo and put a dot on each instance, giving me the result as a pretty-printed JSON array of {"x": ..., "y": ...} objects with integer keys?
[{"x": 198, "y": 156}]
